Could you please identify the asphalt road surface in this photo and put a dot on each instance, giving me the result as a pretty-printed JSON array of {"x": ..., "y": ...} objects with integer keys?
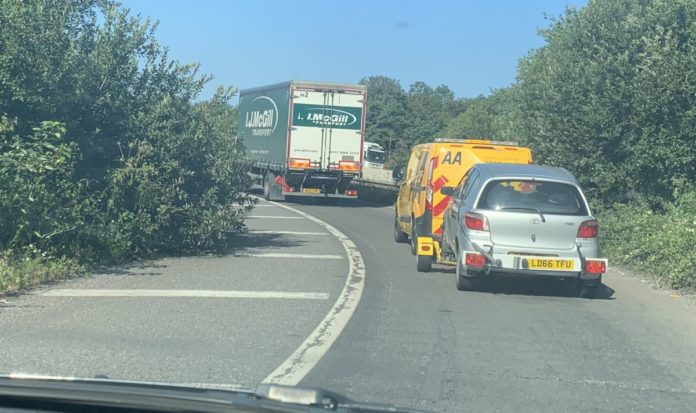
[{"x": 342, "y": 307}]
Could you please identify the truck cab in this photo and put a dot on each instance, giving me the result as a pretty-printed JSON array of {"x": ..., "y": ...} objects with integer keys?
[{"x": 373, "y": 156}]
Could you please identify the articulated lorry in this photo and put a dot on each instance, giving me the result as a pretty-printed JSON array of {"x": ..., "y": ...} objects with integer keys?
[{"x": 304, "y": 138}]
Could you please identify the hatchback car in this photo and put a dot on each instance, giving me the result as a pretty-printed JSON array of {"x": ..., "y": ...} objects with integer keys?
[{"x": 522, "y": 220}]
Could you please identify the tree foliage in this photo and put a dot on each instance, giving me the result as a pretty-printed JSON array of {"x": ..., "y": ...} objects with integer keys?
[
  {"x": 397, "y": 119},
  {"x": 104, "y": 153},
  {"x": 612, "y": 96}
]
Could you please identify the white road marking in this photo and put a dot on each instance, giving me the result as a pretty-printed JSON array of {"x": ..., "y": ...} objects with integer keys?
[
  {"x": 282, "y": 255},
  {"x": 287, "y": 232},
  {"x": 68, "y": 292},
  {"x": 308, "y": 354},
  {"x": 271, "y": 217},
  {"x": 263, "y": 205}
]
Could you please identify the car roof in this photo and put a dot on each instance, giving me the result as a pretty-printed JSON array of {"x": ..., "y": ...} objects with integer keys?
[{"x": 493, "y": 170}]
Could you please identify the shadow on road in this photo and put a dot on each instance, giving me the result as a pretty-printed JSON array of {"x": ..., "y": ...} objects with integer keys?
[
  {"x": 132, "y": 269},
  {"x": 535, "y": 287},
  {"x": 244, "y": 242}
]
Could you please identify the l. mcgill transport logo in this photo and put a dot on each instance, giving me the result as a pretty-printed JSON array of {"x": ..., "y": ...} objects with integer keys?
[
  {"x": 340, "y": 117},
  {"x": 262, "y": 118}
]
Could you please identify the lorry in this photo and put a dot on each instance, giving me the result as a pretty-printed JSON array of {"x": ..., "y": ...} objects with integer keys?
[{"x": 304, "y": 138}]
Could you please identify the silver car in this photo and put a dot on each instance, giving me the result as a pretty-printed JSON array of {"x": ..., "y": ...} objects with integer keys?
[{"x": 526, "y": 220}]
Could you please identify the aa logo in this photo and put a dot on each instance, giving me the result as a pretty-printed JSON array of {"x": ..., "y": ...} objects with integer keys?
[{"x": 448, "y": 159}]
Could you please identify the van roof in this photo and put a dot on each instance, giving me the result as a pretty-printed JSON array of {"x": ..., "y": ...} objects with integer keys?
[
  {"x": 493, "y": 170},
  {"x": 441, "y": 141}
]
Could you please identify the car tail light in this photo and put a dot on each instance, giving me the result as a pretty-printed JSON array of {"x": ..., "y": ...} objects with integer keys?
[
  {"x": 475, "y": 260},
  {"x": 476, "y": 222},
  {"x": 595, "y": 267},
  {"x": 352, "y": 192},
  {"x": 429, "y": 194},
  {"x": 588, "y": 229}
]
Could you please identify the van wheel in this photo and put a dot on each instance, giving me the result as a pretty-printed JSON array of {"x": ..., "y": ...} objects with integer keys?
[
  {"x": 414, "y": 239},
  {"x": 399, "y": 235},
  {"x": 424, "y": 263}
]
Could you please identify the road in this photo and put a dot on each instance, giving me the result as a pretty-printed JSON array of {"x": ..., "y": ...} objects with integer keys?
[{"x": 412, "y": 340}]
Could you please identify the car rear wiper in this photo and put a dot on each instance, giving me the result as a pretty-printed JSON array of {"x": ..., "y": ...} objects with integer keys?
[
  {"x": 537, "y": 210},
  {"x": 29, "y": 391}
]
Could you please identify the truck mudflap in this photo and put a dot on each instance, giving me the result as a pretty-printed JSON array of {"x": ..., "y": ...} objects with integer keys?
[{"x": 273, "y": 187}]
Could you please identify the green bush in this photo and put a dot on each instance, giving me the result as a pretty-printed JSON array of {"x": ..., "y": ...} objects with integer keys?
[
  {"x": 130, "y": 164},
  {"x": 661, "y": 244}
]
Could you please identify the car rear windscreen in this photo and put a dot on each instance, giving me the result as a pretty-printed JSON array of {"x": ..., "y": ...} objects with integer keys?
[{"x": 524, "y": 195}]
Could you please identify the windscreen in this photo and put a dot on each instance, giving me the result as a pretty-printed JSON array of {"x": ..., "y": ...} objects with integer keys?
[
  {"x": 523, "y": 195},
  {"x": 374, "y": 156}
]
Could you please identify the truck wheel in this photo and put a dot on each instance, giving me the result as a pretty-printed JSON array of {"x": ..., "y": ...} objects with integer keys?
[
  {"x": 399, "y": 235},
  {"x": 424, "y": 263},
  {"x": 266, "y": 188}
]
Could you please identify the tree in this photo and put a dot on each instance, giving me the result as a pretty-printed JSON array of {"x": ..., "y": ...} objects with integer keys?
[
  {"x": 612, "y": 96},
  {"x": 144, "y": 170},
  {"x": 386, "y": 111}
]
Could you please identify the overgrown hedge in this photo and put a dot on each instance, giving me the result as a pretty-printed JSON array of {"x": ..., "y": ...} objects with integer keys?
[
  {"x": 660, "y": 244},
  {"x": 105, "y": 154}
]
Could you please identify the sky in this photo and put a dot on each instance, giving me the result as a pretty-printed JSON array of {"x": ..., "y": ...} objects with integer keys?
[{"x": 471, "y": 46}]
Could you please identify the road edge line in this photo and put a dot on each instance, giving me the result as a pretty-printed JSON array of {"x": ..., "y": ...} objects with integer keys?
[{"x": 318, "y": 343}]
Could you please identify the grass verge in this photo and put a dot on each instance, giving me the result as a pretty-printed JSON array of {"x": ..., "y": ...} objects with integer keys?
[{"x": 19, "y": 271}]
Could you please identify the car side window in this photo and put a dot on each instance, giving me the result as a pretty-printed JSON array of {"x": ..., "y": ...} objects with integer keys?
[
  {"x": 460, "y": 188},
  {"x": 473, "y": 177}
]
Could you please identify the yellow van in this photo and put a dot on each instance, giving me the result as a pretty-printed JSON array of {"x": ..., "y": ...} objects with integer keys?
[{"x": 420, "y": 204}]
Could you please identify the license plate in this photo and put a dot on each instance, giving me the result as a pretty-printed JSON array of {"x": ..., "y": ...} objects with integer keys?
[
  {"x": 312, "y": 190},
  {"x": 548, "y": 264}
]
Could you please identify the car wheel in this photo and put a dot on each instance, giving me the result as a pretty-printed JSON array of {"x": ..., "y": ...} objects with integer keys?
[
  {"x": 424, "y": 263},
  {"x": 464, "y": 283},
  {"x": 399, "y": 235}
]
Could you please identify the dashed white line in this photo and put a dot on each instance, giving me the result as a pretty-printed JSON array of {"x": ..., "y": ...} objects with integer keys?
[{"x": 69, "y": 292}]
